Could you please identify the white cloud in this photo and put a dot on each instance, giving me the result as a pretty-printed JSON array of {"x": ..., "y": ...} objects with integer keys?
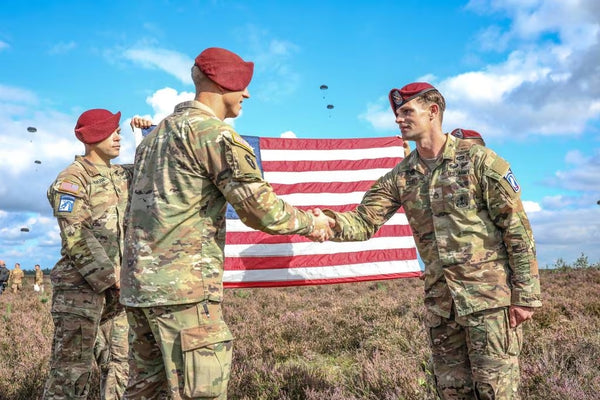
[
  {"x": 273, "y": 61},
  {"x": 585, "y": 175},
  {"x": 172, "y": 62},
  {"x": 163, "y": 101},
  {"x": 3, "y": 45},
  {"x": 553, "y": 69},
  {"x": 380, "y": 115},
  {"x": 531, "y": 206},
  {"x": 17, "y": 95},
  {"x": 62, "y": 47},
  {"x": 566, "y": 234},
  {"x": 288, "y": 134}
]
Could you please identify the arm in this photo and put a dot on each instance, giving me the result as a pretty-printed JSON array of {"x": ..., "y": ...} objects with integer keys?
[
  {"x": 502, "y": 196},
  {"x": 236, "y": 172},
  {"x": 378, "y": 205},
  {"x": 72, "y": 211}
]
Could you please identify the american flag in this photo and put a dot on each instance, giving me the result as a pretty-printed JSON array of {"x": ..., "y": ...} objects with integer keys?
[{"x": 324, "y": 173}]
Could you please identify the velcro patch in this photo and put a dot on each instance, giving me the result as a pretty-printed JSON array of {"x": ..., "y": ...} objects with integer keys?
[
  {"x": 68, "y": 187},
  {"x": 512, "y": 181},
  {"x": 237, "y": 139},
  {"x": 66, "y": 203}
]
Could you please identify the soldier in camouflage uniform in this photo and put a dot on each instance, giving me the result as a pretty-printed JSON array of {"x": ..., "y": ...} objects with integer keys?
[
  {"x": 186, "y": 171},
  {"x": 89, "y": 199},
  {"x": 39, "y": 278},
  {"x": 481, "y": 275},
  {"x": 4, "y": 276},
  {"x": 16, "y": 278},
  {"x": 471, "y": 135}
]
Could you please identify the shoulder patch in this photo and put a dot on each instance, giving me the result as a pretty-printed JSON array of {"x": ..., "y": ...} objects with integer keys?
[
  {"x": 68, "y": 187},
  {"x": 512, "y": 181},
  {"x": 66, "y": 203},
  {"x": 238, "y": 140}
]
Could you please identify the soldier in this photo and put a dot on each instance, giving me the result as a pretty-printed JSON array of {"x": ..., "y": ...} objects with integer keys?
[
  {"x": 89, "y": 199},
  {"x": 4, "y": 276},
  {"x": 186, "y": 171},
  {"x": 481, "y": 275},
  {"x": 39, "y": 279},
  {"x": 16, "y": 278},
  {"x": 474, "y": 136}
]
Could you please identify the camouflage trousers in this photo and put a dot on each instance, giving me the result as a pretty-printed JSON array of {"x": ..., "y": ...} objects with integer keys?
[
  {"x": 475, "y": 356},
  {"x": 179, "y": 352},
  {"x": 111, "y": 351},
  {"x": 16, "y": 287},
  {"x": 79, "y": 343}
]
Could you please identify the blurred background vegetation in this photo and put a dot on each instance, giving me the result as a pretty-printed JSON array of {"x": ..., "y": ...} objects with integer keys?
[{"x": 345, "y": 342}]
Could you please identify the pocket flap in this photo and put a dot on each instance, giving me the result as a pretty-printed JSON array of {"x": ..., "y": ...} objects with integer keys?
[{"x": 202, "y": 336}]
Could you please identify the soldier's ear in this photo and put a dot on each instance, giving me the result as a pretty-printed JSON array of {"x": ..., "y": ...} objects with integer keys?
[{"x": 434, "y": 111}]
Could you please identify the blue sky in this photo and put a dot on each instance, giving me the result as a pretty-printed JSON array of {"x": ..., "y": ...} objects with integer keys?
[{"x": 524, "y": 73}]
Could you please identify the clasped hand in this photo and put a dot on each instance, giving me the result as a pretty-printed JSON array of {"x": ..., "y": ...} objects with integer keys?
[{"x": 323, "y": 225}]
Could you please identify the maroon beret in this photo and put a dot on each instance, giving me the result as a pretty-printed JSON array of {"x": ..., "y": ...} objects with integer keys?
[
  {"x": 466, "y": 134},
  {"x": 225, "y": 68},
  {"x": 95, "y": 125},
  {"x": 400, "y": 96}
]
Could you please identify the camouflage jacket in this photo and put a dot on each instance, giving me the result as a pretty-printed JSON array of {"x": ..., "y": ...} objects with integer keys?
[
  {"x": 89, "y": 203},
  {"x": 39, "y": 277},
  {"x": 469, "y": 225},
  {"x": 186, "y": 171},
  {"x": 16, "y": 276}
]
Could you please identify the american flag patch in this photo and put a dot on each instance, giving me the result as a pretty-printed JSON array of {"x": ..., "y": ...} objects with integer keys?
[{"x": 68, "y": 187}]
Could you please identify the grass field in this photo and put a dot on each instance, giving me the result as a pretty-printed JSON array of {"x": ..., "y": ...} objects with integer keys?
[{"x": 349, "y": 341}]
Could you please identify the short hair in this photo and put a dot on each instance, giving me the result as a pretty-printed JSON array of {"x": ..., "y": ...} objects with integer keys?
[
  {"x": 200, "y": 79},
  {"x": 434, "y": 96}
]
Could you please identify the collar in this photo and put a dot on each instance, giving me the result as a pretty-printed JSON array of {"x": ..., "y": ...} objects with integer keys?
[
  {"x": 195, "y": 104},
  {"x": 91, "y": 169},
  {"x": 413, "y": 161}
]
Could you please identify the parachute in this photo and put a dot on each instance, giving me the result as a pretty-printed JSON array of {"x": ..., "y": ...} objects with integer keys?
[
  {"x": 330, "y": 106},
  {"x": 31, "y": 129},
  {"x": 37, "y": 162},
  {"x": 24, "y": 229},
  {"x": 324, "y": 87}
]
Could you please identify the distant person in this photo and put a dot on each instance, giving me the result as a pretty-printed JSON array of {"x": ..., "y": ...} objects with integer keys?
[
  {"x": 38, "y": 283},
  {"x": 186, "y": 171},
  {"x": 16, "y": 278},
  {"x": 481, "y": 275},
  {"x": 4, "y": 276},
  {"x": 471, "y": 135},
  {"x": 89, "y": 199}
]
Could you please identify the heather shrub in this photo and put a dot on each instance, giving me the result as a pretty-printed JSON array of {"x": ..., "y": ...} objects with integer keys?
[
  {"x": 361, "y": 341},
  {"x": 25, "y": 339}
]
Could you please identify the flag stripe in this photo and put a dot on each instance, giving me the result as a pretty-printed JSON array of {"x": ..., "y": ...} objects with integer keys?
[
  {"x": 324, "y": 173},
  {"x": 298, "y": 248},
  {"x": 322, "y": 187},
  {"x": 330, "y": 165},
  {"x": 322, "y": 260},
  {"x": 235, "y": 225},
  {"x": 381, "y": 144},
  {"x": 348, "y": 273},
  {"x": 251, "y": 236}
]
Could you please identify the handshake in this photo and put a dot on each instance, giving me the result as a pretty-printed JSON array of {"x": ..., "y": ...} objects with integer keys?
[{"x": 323, "y": 226}]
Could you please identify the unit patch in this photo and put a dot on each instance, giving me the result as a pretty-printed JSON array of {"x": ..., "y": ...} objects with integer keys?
[
  {"x": 512, "y": 181},
  {"x": 66, "y": 203}
]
